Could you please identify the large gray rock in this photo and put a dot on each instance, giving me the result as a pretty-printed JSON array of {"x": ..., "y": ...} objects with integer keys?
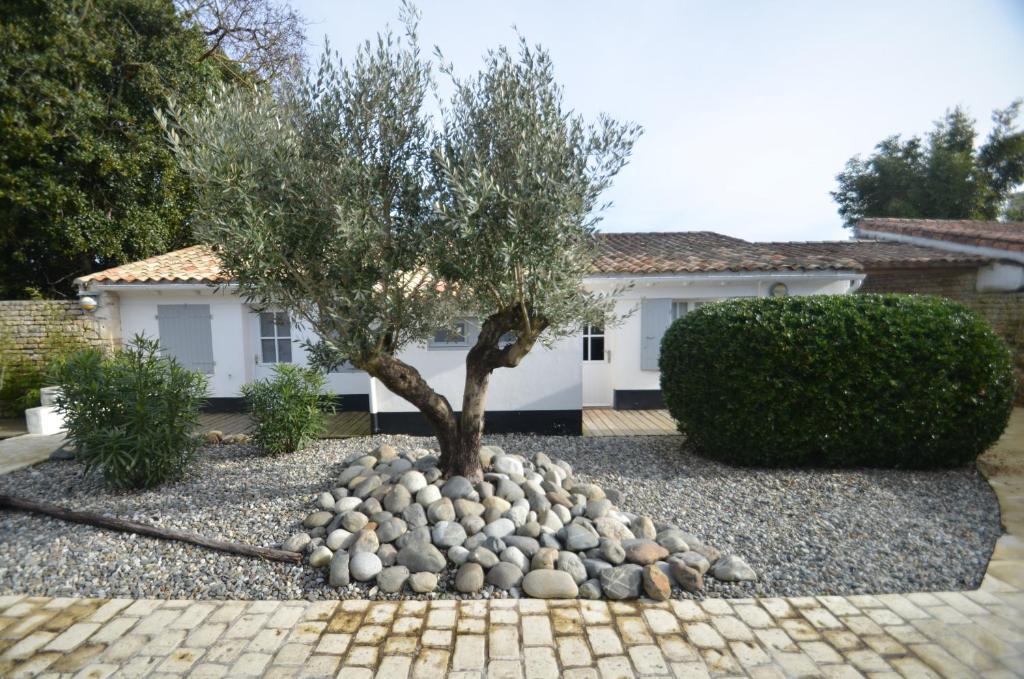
[
  {"x": 422, "y": 583},
  {"x": 413, "y": 480},
  {"x": 622, "y": 582},
  {"x": 578, "y": 538},
  {"x": 347, "y": 504},
  {"x": 392, "y": 579},
  {"x": 469, "y": 578},
  {"x": 513, "y": 556},
  {"x": 366, "y": 541},
  {"x": 550, "y": 584},
  {"x": 296, "y": 543},
  {"x": 397, "y": 499},
  {"x": 325, "y": 501},
  {"x": 689, "y": 579},
  {"x": 367, "y": 486},
  {"x": 338, "y": 539},
  {"x": 421, "y": 557},
  {"x": 591, "y": 589},
  {"x": 364, "y": 566},
  {"x": 354, "y": 521},
  {"x": 571, "y": 564},
  {"x": 387, "y": 554},
  {"x": 428, "y": 495},
  {"x": 504, "y": 576},
  {"x": 442, "y": 510},
  {"x": 391, "y": 530},
  {"x": 595, "y": 566},
  {"x": 448, "y": 534},
  {"x": 499, "y": 528},
  {"x": 464, "y": 507},
  {"x": 320, "y": 557},
  {"x": 484, "y": 557},
  {"x": 673, "y": 539},
  {"x": 506, "y": 464},
  {"x": 732, "y": 569},
  {"x": 610, "y": 527},
  {"x": 456, "y": 487},
  {"x": 317, "y": 519},
  {"x": 656, "y": 584},
  {"x": 526, "y": 545},
  {"x": 694, "y": 560},
  {"x": 644, "y": 552},
  {"x": 337, "y": 573},
  {"x": 415, "y": 515},
  {"x": 472, "y": 524}
]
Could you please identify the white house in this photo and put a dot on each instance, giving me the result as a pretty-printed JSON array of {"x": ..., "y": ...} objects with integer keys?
[{"x": 185, "y": 300}]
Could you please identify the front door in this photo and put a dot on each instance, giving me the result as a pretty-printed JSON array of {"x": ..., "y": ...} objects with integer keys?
[
  {"x": 597, "y": 368},
  {"x": 272, "y": 331}
]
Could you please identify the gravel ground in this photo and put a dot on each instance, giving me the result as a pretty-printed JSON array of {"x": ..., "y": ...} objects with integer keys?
[{"x": 804, "y": 532}]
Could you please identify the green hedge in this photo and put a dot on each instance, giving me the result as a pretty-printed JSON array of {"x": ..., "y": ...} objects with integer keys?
[
  {"x": 876, "y": 380},
  {"x": 286, "y": 408}
]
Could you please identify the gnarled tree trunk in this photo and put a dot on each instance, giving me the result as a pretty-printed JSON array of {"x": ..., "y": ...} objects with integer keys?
[{"x": 459, "y": 435}]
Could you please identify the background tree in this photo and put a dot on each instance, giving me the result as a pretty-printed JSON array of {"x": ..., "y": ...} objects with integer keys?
[
  {"x": 86, "y": 179},
  {"x": 941, "y": 177},
  {"x": 261, "y": 37},
  {"x": 342, "y": 203},
  {"x": 1014, "y": 210}
]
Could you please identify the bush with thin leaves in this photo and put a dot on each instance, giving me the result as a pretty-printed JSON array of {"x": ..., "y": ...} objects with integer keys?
[
  {"x": 133, "y": 414},
  {"x": 286, "y": 408}
]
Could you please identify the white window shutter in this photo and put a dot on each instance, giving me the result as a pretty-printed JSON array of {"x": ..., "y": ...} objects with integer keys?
[{"x": 655, "y": 317}]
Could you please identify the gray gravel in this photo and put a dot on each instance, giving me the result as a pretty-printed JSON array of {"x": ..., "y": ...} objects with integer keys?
[{"x": 804, "y": 532}]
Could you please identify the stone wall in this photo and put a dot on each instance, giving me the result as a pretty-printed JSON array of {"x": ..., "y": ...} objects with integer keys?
[
  {"x": 27, "y": 327},
  {"x": 1003, "y": 310}
]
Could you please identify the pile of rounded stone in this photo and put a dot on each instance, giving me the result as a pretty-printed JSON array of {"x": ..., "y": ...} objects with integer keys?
[{"x": 528, "y": 526}]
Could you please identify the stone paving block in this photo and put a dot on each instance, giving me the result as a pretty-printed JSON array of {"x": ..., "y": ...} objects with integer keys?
[
  {"x": 912, "y": 668},
  {"x": 604, "y": 640},
  {"x": 371, "y": 634},
  {"x": 838, "y": 605},
  {"x": 382, "y": 613},
  {"x": 866, "y": 660},
  {"x": 334, "y": 643},
  {"x": 634, "y": 630},
  {"x": 401, "y": 645},
  {"x": 267, "y": 640},
  {"x": 753, "y": 615},
  {"x": 142, "y": 607},
  {"x": 431, "y": 663},
  {"x": 503, "y": 643},
  {"x": 29, "y": 645},
  {"x": 566, "y": 620},
  {"x": 157, "y": 621},
  {"x": 716, "y": 607},
  {"x": 883, "y": 616},
  {"x": 537, "y": 631},
  {"x": 202, "y": 636},
  {"x": 320, "y": 611},
  {"x": 250, "y": 665},
  {"x": 688, "y": 611},
  {"x": 862, "y": 625},
  {"x": 821, "y": 618},
  {"x": 355, "y": 673},
  {"x": 923, "y": 599},
  {"x": 580, "y": 673},
  {"x": 470, "y": 653},
  {"x": 356, "y": 606},
  {"x": 615, "y": 667},
  {"x": 319, "y": 666},
  {"x": 865, "y": 601},
  {"x": 227, "y": 612},
  {"x": 441, "y": 637},
  {"x": 720, "y": 661},
  {"x": 883, "y": 644},
  {"x": 109, "y": 609},
  {"x": 293, "y": 654},
  {"x": 820, "y": 652},
  {"x": 732, "y": 628},
  {"x": 690, "y": 670},
  {"x": 531, "y": 606},
  {"x": 181, "y": 660},
  {"x": 245, "y": 627},
  {"x": 703, "y": 635},
  {"x": 504, "y": 669},
  {"x": 799, "y": 630},
  {"x": 394, "y": 667},
  {"x": 676, "y": 649},
  {"x": 441, "y": 619},
  {"x": 661, "y": 621},
  {"x": 164, "y": 643},
  {"x": 573, "y": 651},
  {"x": 365, "y": 656},
  {"x": 949, "y": 615},
  {"x": 124, "y": 648},
  {"x": 779, "y": 608},
  {"x": 471, "y": 626},
  {"x": 595, "y": 612},
  {"x": 504, "y": 616},
  {"x": 796, "y": 664},
  {"x": 307, "y": 632},
  {"x": 749, "y": 654}
]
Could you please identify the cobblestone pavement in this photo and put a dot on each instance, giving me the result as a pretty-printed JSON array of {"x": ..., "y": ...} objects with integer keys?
[{"x": 949, "y": 634}]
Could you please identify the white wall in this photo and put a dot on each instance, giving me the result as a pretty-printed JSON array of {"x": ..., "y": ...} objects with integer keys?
[
  {"x": 547, "y": 379},
  {"x": 624, "y": 340},
  {"x": 231, "y": 370}
]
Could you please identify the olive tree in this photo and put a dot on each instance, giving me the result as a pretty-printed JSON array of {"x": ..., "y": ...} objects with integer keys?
[{"x": 346, "y": 203}]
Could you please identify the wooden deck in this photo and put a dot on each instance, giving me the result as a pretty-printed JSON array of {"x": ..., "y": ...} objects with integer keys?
[
  {"x": 339, "y": 425},
  {"x": 608, "y": 422}
]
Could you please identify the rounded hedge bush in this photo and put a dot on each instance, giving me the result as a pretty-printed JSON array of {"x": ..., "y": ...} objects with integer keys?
[{"x": 858, "y": 380}]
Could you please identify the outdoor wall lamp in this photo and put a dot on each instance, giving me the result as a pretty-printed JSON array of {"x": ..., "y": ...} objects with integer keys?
[
  {"x": 88, "y": 303},
  {"x": 778, "y": 290}
]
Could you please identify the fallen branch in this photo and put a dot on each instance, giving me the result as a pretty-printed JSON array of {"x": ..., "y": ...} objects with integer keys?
[{"x": 125, "y": 526}]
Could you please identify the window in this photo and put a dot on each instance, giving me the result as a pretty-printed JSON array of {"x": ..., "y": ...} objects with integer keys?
[
  {"x": 455, "y": 336},
  {"x": 275, "y": 337},
  {"x": 593, "y": 343}
]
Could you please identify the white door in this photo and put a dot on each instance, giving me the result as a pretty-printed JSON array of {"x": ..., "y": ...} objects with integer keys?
[
  {"x": 272, "y": 332},
  {"x": 597, "y": 368}
]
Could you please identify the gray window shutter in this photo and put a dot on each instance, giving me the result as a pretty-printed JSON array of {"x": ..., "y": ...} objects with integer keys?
[
  {"x": 186, "y": 335},
  {"x": 655, "y": 317}
]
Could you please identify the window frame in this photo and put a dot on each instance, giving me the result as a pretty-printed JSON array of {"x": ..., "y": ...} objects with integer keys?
[
  {"x": 467, "y": 330},
  {"x": 276, "y": 338},
  {"x": 589, "y": 335}
]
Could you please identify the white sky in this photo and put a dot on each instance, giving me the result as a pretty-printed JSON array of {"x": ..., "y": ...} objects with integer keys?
[{"x": 750, "y": 109}]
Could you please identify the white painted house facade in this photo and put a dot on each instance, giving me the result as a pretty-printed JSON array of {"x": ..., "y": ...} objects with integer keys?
[{"x": 185, "y": 301}]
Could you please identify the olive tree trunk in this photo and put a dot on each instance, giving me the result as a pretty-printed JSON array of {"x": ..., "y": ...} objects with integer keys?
[{"x": 459, "y": 435}]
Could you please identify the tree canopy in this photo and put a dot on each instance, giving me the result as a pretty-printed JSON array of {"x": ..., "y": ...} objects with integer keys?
[
  {"x": 346, "y": 203},
  {"x": 87, "y": 180},
  {"x": 943, "y": 176}
]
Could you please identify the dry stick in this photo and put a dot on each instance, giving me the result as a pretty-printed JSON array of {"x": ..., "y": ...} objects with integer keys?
[{"x": 125, "y": 526}]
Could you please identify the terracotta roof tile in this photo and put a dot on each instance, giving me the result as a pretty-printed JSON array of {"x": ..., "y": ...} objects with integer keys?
[
  {"x": 622, "y": 253},
  {"x": 706, "y": 252},
  {"x": 196, "y": 264},
  {"x": 998, "y": 235}
]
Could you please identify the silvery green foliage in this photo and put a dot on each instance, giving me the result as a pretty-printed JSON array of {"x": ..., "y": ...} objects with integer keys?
[
  {"x": 320, "y": 199},
  {"x": 521, "y": 183},
  {"x": 344, "y": 203}
]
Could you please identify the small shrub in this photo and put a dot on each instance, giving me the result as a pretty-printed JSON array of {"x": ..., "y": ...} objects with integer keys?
[
  {"x": 132, "y": 415},
  {"x": 878, "y": 380},
  {"x": 285, "y": 408}
]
